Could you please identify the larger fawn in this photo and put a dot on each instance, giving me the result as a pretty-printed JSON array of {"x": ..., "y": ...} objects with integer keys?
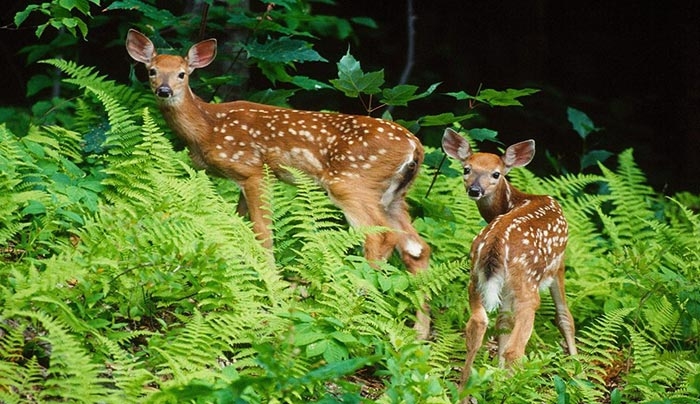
[
  {"x": 520, "y": 251},
  {"x": 366, "y": 165}
]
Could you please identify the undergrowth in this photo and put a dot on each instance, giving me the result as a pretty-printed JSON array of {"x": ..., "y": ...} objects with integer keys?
[{"x": 127, "y": 277}]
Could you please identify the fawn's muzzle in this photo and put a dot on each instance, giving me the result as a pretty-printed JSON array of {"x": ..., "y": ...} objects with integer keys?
[
  {"x": 475, "y": 192},
  {"x": 164, "y": 92}
]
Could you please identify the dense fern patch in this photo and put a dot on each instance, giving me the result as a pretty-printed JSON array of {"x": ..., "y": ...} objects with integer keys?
[{"x": 127, "y": 277}]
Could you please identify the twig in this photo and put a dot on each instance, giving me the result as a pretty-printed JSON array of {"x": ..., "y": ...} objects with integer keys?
[
  {"x": 410, "y": 45},
  {"x": 203, "y": 23},
  {"x": 411, "y": 48},
  {"x": 437, "y": 172}
]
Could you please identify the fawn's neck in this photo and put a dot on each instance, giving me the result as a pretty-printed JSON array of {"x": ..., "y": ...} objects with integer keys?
[
  {"x": 504, "y": 199},
  {"x": 193, "y": 121},
  {"x": 187, "y": 117}
]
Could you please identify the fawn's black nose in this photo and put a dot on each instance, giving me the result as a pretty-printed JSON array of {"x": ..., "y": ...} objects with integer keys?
[
  {"x": 475, "y": 191},
  {"x": 164, "y": 92}
]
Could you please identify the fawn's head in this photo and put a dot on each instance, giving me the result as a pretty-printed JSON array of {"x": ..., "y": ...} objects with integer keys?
[
  {"x": 485, "y": 172},
  {"x": 169, "y": 74}
]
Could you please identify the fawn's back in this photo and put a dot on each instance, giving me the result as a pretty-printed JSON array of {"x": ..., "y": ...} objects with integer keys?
[
  {"x": 329, "y": 147},
  {"x": 521, "y": 249}
]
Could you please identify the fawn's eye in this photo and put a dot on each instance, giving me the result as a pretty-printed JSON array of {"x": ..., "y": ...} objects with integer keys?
[
  {"x": 467, "y": 170},
  {"x": 496, "y": 175},
  {"x": 152, "y": 72},
  {"x": 181, "y": 75}
]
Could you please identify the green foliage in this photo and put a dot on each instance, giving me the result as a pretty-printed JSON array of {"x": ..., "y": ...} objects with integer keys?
[
  {"x": 582, "y": 124},
  {"x": 57, "y": 365},
  {"x": 44, "y": 191},
  {"x": 353, "y": 82},
  {"x": 154, "y": 282},
  {"x": 496, "y": 98},
  {"x": 60, "y": 15},
  {"x": 279, "y": 381}
]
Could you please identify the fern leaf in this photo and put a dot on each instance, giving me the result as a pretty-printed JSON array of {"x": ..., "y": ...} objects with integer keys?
[
  {"x": 71, "y": 373},
  {"x": 125, "y": 372},
  {"x": 88, "y": 78},
  {"x": 179, "y": 361},
  {"x": 663, "y": 320},
  {"x": 125, "y": 134},
  {"x": 653, "y": 376},
  {"x": 599, "y": 343},
  {"x": 632, "y": 200}
]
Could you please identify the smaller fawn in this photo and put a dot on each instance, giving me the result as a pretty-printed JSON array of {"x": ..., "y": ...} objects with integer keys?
[
  {"x": 520, "y": 251},
  {"x": 366, "y": 165}
]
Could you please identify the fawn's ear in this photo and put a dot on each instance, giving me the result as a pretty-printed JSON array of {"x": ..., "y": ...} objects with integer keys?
[
  {"x": 455, "y": 145},
  {"x": 519, "y": 154},
  {"x": 201, "y": 54},
  {"x": 140, "y": 48}
]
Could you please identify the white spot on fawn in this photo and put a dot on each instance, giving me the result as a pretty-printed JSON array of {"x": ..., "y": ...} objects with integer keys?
[
  {"x": 413, "y": 248},
  {"x": 307, "y": 156}
]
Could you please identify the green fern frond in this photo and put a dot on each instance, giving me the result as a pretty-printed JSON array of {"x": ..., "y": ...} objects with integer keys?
[
  {"x": 157, "y": 148},
  {"x": 125, "y": 371},
  {"x": 527, "y": 385},
  {"x": 447, "y": 292},
  {"x": 394, "y": 331},
  {"x": 585, "y": 242},
  {"x": 632, "y": 201},
  {"x": 599, "y": 343},
  {"x": 438, "y": 277},
  {"x": 57, "y": 142},
  {"x": 613, "y": 232},
  {"x": 46, "y": 189},
  {"x": 303, "y": 209},
  {"x": 26, "y": 282},
  {"x": 147, "y": 155},
  {"x": 20, "y": 377},
  {"x": 124, "y": 133},
  {"x": 447, "y": 350},
  {"x": 187, "y": 353},
  {"x": 84, "y": 73},
  {"x": 70, "y": 371},
  {"x": 663, "y": 320},
  {"x": 322, "y": 251},
  {"x": 240, "y": 331},
  {"x": 16, "y": 167},
  {"x": 89, "y": 78},
  {"x": 9, "y": 229},
  {"x": 526, "y": 181},
  {"x": 682, "y": 238},
  {"x": 569, "y": 185},
  {"x": 681, "y": 215},
  {"x": 317, "y": 236},
  {"x": 367, "y": 293},
  {"x": 654, "y": 376},
  {"x": 632, "y": 174}
]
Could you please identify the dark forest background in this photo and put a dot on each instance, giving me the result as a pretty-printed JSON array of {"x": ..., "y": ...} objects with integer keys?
[{"x": 631, "y": 66}]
